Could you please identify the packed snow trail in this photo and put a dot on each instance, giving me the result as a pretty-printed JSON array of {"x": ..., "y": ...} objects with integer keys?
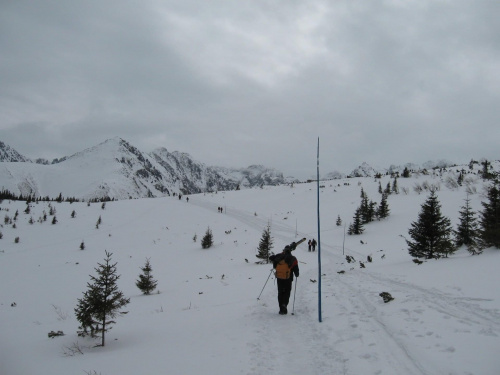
[{"x": 352, "y": 314}]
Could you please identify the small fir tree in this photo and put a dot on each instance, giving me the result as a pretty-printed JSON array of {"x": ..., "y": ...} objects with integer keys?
[
  {"x": 356, "y": 227},
  {"x": 395, "y": 188},
  {"x": 208, "y": 239},
  {"x": 265, "y": 245},
  {"x": 490, "y": 218},
  {"x": 388, "y": 189},
  {"x": 339, "y": 221},
  {"x": 467, "y": 229},
  {"x": 383, "y": 209},
  {"x": 431, "y": 233},
  {"x": 102, "y": 301},
  {"x": 146, "y": 282}
]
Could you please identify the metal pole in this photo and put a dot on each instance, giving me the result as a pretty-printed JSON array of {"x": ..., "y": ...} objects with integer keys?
[
  {"x": 343, "y": 243},
  {"x": 319, "y": 246},
  {"x": 265, "y": 283},
  {"x": 295, "y": 292}
]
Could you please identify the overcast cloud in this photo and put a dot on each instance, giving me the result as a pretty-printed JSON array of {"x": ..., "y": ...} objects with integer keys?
[{"x": 235, "y": 83}]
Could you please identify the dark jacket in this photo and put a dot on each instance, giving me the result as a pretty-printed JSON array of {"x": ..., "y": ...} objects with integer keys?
[{"x": 290, "y": 259}]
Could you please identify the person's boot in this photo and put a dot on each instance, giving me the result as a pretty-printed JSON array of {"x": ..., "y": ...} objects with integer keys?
[{"x": 283, "y": 310}]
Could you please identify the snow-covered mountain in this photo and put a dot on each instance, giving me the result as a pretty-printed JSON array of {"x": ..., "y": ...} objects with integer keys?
[
  {"x": 117, "y": 169},
  {"x": 8, "y": 154}
]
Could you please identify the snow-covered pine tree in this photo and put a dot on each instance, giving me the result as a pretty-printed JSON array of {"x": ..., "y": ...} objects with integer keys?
[
  {"x": 146, "y": 282},
  {"x": 467, "y": 229},
  {"x": 383, "y": 209},
  {"x": 406, "y": 173},
  {"x": 339, "y": 221},
  {"x": 366, "y": 208},
  {"x": 265, "y": 245},
  {"x": 208, "y": 239},
  {"x": 102, "y": 301},
  {"x": 356, "y": 227},
  {"x": 431, "y": 233},
  {"x": 395, "y": 188},
  {"x": 490, "y": 218}
]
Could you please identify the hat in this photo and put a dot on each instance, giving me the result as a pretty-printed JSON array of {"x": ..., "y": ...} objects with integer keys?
[{"x": 287, "y": 249}]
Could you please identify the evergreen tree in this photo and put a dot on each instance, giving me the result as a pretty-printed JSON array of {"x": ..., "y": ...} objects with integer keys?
[
  {"x": 356, "y": 227},
  {"x": 395, "y": 188},
  {"x": 208, "y": 239},
  {"x": 102, "y": 301},
  {"x": 265, "y": 245},
  {"x": 431, "y": 233},
  {"x": 383, "y": 209},
  {"x": 366, "y": 208},
  {"x": 406, "y": 173},
  {"x": 339, "y": 221},
  {"x": 467, "y": 229},
  {"x": 490, "y": 218},
  {"x": 146, "y": 282},
  {"x": 388, "y": 189}
]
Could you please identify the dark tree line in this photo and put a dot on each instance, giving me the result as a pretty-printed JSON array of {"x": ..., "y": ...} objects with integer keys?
[{"x": 6, "y": 194}]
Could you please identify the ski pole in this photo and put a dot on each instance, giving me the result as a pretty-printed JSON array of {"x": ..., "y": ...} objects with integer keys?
[
  {"x": 294, "y": 292},
  {"x": 265, "y": 283}
]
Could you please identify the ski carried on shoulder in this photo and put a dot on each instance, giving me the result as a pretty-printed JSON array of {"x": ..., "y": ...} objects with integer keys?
[{"x": 294, "y": 244}]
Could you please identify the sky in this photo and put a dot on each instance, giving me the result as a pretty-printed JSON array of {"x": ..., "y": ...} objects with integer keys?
[{"x": 254, "y": 82}]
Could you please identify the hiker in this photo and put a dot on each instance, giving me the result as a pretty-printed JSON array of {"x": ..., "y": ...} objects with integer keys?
[
  {"x": 313, "y": 244},
  {"x": 309, "y": 245},
  {"x": 285, "y": 265}
]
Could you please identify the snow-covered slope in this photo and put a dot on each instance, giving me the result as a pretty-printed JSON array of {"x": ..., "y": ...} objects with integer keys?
[{"x": 206, "y": 319}]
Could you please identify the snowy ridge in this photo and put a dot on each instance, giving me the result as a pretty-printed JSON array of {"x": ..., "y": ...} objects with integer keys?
[{"x": 118, "y": 170}]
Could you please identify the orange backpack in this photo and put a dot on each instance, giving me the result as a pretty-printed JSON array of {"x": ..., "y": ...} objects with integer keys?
[{"x": 282, "y": 270}]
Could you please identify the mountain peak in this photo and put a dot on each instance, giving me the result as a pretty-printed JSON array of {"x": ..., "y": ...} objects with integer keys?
[{"x": 8, "y": 154}]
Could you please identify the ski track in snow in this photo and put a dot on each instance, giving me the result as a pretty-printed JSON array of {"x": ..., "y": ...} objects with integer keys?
[{"x": 355, "y": 318}]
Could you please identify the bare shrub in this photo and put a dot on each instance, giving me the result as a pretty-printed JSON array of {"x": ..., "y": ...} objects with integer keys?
[
  {"x": 61, "y": 315},
  {"x": 74, "y": 349}
]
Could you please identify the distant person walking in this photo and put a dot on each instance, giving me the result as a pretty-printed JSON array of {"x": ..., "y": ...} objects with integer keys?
[
  {"x": 309, "y": 245},
  {"x": 313, "y": 244}
]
